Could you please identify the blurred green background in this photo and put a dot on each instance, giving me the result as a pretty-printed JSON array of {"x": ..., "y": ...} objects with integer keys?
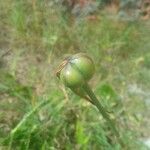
[{"x": 36, "y": 111}]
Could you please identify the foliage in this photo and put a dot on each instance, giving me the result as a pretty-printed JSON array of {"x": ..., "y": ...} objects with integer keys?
[{"x": 37, "y": 112}]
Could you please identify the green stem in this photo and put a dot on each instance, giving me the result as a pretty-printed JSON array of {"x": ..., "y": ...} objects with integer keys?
[{"x": 102, "y": 110}]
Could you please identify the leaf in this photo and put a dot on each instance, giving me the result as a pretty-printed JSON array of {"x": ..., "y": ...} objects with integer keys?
[
  {"x": 109, "y": 98},
  {"x": 81, "y": 137}
]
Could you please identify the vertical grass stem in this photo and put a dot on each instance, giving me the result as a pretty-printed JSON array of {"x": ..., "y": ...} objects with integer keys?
[{"x": 102, "y": 110}]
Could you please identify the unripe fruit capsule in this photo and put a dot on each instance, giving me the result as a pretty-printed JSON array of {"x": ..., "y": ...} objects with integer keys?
[
  {"x": 78, "y": 70},
  {"x": 84, "y": 65},
  {"x": 71, "y": 77}
]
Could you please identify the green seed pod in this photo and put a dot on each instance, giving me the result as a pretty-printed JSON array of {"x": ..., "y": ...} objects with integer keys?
[
  {"x": 70, "y": 76},
  {"x": 84, "y": 65},
  {"x": 76, "y": 70}
]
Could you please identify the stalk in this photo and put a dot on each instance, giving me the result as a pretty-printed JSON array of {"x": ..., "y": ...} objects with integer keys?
[{"x": 102, "y": 110}]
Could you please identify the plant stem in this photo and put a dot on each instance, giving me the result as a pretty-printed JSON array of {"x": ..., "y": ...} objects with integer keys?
[{"x": 102, "y": 110}]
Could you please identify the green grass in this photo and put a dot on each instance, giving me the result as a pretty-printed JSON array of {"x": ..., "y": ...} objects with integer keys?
[{"x": 37, "y": 112}]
